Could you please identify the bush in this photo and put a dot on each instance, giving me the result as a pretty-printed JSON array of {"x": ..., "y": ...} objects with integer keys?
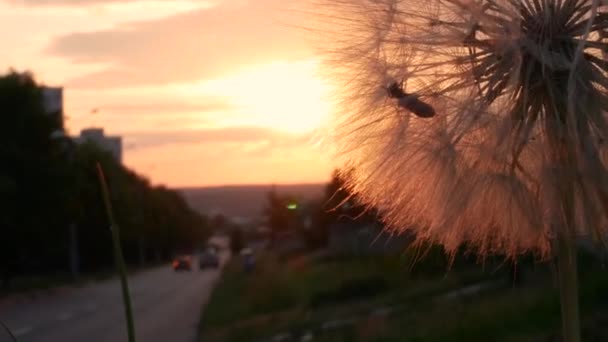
[{"x": 351, "y": 290}]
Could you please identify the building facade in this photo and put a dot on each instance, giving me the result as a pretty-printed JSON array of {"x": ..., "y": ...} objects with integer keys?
[
  {"x": 52, "y": 98},
  {"x": 112, "y": 144},
  {"x": 52, "y": 101}
]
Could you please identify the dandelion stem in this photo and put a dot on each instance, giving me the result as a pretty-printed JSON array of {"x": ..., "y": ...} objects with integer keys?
[
  {"x": 566, "y": 259},
  {"x": 118, "y": 257},
  {"x": 568, "y": 289}
]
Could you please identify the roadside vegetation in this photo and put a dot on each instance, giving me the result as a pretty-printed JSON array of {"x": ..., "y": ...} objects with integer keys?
[
  {"x": 309, "y": 291},
  {"x": 383, "y": 298},
  {"x": 323, "y": 292},
  {"x": 54, "y": 225}
]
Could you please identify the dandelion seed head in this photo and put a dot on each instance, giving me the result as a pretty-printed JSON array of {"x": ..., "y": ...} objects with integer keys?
[{"x": 520, "y": 92}]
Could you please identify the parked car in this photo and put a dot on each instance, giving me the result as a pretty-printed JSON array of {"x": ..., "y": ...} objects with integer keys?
[
  {"x": 182, "y": 262},
  {"x": 209, "y": 258}
]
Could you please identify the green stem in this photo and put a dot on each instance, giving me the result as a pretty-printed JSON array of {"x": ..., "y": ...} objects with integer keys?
[
  {"x": 10, "y": 333},
  {"x": 568, "y": 289},
  {"x": 118, "y": 257}
]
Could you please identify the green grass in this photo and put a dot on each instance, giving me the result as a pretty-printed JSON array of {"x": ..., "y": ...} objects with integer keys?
[
  {"x": 292, "y": 295},
  {"x": 118, "y": 255},
  {"x": 278, "y": 297},
  {"x": 531, "y": 313},
  {"x": 528, "y": 314}
]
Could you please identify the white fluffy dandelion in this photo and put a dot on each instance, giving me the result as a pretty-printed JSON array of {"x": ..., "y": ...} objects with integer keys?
[
  {"x": 477, "y": 122},
  {"x": 469, "y": 121}
]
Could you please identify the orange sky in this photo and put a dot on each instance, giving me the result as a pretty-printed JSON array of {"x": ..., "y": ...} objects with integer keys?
[{"x": 203, "y": 92}]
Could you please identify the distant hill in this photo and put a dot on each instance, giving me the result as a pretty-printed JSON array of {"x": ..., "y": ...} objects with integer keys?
[{"x": 244, "y": 201}]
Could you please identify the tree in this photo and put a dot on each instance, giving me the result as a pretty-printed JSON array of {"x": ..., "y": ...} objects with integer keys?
[
  {"x": 29, "y": 174},
  {"x": 219, "y": 223},
  {"x": 47, "y": 183},
  {"x": 277, "y": 214},
  {"x": 236, "y": 241},
  {"x": 156, "y": 214}
]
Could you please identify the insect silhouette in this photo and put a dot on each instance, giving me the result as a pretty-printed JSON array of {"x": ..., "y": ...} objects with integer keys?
[{"x": 410, "y": 101}]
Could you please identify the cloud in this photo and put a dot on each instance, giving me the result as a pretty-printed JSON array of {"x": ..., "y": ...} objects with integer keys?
[
  {"x": 200, "y": 44},
  {"x": 69, "y": 2},
  {"x": 161, "y": 108},
  {"x": 248, "y": 139},
  {"x": 223, "y": 163},
  {"x": 231, "y": 155}
]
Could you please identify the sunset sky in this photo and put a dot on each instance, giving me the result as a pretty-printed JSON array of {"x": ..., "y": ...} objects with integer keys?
[{"x": 203, "y": 92}]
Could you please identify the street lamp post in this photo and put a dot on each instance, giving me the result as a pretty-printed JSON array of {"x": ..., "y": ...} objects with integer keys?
[{"x": 74, "y": 253}]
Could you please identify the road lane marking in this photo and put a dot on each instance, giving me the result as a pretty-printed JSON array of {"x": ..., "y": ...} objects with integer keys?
[
  {"x": 64, "y": 316},
  {"x": 22, "y": 331}
]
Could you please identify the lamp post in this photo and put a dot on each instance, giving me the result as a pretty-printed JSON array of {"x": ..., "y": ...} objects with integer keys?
[
  {"x": 140, "y": 221},
  {"x": 67, "y": 146}
]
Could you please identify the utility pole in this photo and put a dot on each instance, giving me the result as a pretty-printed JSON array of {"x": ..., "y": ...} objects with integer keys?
[
  {"x": 142, "y": 243},
  {"x": 69, "y": 150},
  {"x": 142, "y": 252},
  {"x": 74, "y": 252}
]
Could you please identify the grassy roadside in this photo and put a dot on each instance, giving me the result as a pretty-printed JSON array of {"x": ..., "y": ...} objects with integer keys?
[
  {"x": 305, "y": 293},
  {"x": 515, "y": 314}
]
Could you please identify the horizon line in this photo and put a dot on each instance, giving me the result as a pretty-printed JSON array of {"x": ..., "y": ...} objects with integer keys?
[{"x": 248, "y": 185}]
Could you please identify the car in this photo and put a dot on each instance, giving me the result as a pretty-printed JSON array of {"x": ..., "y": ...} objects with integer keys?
[
  {"x": 209, "y": 258},
  {"x": 182, "y": 262}
]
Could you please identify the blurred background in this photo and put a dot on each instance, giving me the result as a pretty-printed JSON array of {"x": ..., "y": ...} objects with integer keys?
[{"x": 207, "y": 119}]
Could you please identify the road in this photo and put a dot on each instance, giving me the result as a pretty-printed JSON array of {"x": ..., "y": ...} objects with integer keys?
[{"x": 166, "y": 305}]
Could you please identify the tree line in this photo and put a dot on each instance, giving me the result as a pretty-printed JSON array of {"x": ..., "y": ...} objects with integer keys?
[
  {"x": 312, "y": 219},
  {"x": 339, "y": 205},
  {"x": 53, "y": 218}
]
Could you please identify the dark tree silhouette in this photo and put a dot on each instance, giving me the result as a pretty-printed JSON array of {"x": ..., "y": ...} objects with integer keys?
[{"x": 48, "y": 183}]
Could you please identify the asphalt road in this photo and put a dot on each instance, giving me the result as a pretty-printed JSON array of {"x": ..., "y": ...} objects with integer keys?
[{"x": 166, "y": 305}]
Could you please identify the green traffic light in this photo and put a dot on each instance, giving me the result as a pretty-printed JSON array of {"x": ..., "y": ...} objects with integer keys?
[{"x": 292, "y": 206}]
